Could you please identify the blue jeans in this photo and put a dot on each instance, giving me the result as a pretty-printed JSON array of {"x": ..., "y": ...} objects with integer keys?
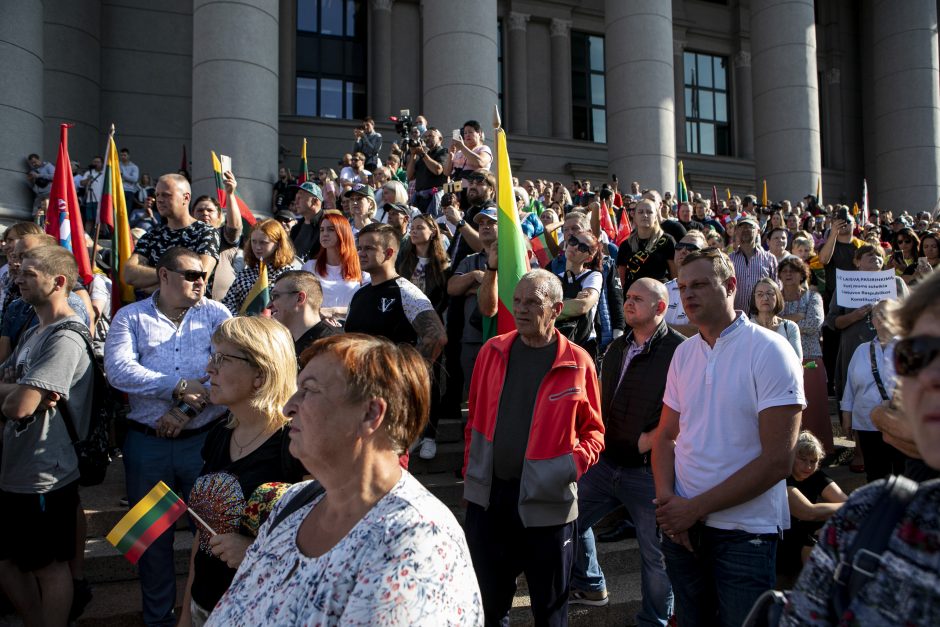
[
  {"x": 719, "y": 582},
  {"x": 601, "y": 490},
  {"x": 176, "y": 462}
]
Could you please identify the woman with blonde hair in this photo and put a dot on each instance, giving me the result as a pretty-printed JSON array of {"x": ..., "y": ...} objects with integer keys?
[
  {"x": 330, "y": 188},
  {"x": 391, "y": 193},
  {"x": 252, "y": 372},
  {"x": 648, "y": 252},
  {"x": 270, "y": 244}
]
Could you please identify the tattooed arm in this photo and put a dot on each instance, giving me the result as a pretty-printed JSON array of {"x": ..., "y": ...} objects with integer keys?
[{"x": 431, "y": 334}]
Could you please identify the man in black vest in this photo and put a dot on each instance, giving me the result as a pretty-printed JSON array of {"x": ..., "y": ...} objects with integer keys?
[{"x": 633, "y": 380}]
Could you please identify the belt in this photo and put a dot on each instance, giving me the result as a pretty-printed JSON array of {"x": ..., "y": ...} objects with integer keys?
[{"x": 133, "y": 425}]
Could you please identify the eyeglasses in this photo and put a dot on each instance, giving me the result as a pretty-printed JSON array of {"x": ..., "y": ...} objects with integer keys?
[
  {"x": 190, "y": 275},
  {"x": 687, "y": 246},
  {"x": 913, "y": 354},
  {"x": 216, "y": 359},
  {"x": 276, "y": 295},
  {"x": 581, "y": 246},
  {"x": 518, "y": 197}
]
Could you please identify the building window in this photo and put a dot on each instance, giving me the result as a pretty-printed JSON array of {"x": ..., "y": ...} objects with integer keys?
[
  {"x": 588, "y": 91},
  {"x": 331, "y": 59},
  {"x": 707, "y": 129}
]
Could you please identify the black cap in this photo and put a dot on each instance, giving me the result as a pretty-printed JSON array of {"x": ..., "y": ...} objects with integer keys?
[{"x": 400, "y": 208}]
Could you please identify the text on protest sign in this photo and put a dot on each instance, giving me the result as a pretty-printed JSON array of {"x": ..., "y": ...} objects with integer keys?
[{"x": 857, "y": 289}]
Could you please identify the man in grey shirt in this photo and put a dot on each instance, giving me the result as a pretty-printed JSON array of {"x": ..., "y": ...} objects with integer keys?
[{"x": 39, "y": 470}]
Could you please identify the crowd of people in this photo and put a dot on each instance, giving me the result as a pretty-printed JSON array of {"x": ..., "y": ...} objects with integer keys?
[{"x": 679, "y": 367}]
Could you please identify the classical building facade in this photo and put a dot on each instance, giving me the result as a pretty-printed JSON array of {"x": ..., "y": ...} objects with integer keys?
[{"x": 787, "y": 91}]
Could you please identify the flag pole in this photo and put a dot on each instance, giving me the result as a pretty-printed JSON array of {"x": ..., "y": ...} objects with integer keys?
[
  {"x": 497, "y": 128},
  {"x": 94, "y": 248},
  {"x": 201, "y": 521}
]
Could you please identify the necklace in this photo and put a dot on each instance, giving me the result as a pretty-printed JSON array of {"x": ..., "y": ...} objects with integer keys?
[
  {"x": 176, "y": 321},
  {"x": 241, "y": 449}
]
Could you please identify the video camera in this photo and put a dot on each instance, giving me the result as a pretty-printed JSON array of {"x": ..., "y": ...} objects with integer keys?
[{"x": 405, "y": 128}]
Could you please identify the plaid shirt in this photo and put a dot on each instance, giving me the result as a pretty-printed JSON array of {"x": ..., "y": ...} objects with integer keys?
[{"x": 748, "y": 271}]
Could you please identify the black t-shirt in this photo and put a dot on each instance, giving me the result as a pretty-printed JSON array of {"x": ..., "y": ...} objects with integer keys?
[
  {"x": 812, "y": 488},
  {"x": 269, "y": 462},
  {"x": 672, "y": 227},
  {"x": 306, "y": 238},
  {"x": 199, "y": 237},
  {"x": 640, "y": 263},
  {"x": 387, "y": 310},
  {"x": 459, "y": 248},
  {"x": 843, "y": 256},
  {"x": 314, "y": 333},
  {"x": 692, "y": 225},
  {"x": 284, "y": 192},
  {"x": 527, "y": 367},
  {"x": 423, "y": 177}
]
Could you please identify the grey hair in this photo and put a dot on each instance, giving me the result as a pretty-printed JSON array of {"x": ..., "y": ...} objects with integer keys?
[
  {"x": 550, "y": 283},
  {"x": 520, "y": 191}
]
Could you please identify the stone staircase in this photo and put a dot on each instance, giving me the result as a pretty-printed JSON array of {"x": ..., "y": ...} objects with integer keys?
[{"x": 117, "y": 599}]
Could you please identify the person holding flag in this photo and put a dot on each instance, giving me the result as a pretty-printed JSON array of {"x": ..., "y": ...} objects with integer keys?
[{"x": 268, "y": 254}]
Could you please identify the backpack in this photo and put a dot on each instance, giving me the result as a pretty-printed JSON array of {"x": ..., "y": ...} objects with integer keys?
[{"x": 94, "y": 451}]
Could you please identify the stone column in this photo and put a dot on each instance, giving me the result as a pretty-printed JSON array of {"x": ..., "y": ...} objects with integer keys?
[
  {"x": 287, "y": 57},
  {"x": 678, "y": 50},
  {"x": 72, "y": 75},
  {"x": 561, "y": 78},
  {"x": 786, "y": 97},
  {"x": 641, "y": 132},
  {"x": 381, "y": 58},
  {"x": 518, "y": 73},
  {"x": 907, "y": 105},
  {"x": 235, "y": 90},
  {"x": 459, "y": 59},
  {"x": 21, "y": 102},
  {"x": 743, "y": 105}
]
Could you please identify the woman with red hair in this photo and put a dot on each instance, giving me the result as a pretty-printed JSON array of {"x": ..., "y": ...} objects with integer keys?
[
  {"x": 270, "y": 243},
  {"x": 336, "y": 265}
]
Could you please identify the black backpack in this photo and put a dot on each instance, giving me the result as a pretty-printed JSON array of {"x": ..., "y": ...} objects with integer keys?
[{"x": 94, "y": 451}]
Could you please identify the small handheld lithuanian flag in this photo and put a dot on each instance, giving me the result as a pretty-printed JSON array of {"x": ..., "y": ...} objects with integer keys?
[
  {"x": 140, "y": 527},
  {"x": 258, "y": 297}
]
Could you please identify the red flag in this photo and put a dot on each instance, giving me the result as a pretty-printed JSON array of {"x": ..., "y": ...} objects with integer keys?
[
  {"x": 715, "y": 201},
  {"x": 607, "y": 225},
  {"x": 64, "y": 210},
  {"x": 623, "y": 230}
]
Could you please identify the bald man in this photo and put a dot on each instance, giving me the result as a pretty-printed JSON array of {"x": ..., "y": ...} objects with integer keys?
[
  {"x": 633, "y": 380},
  {"x": 181, "y": 229}
]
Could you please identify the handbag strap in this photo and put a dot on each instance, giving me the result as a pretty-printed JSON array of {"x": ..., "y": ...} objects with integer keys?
[
  {"x": 874, "y": 370},
  {"x": 860, "y": 562},
  {"x": 308, "y": 494}
]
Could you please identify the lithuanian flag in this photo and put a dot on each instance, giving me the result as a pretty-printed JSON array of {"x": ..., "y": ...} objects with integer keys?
[
  {"x": 140, "y": 527},
  {"x": 513, "y": 261},
  {"x": 304, "y": 175},
  {"x": 819, "y": 200},
  {"x": 764, "y": 202},
  {"x": 113, "y": 212},
  {"x": 217, "y": 175},
  {"x": 540, "y": 248},
  {"x": 683, "y": 193},
  {"x": 258, "y": 296}
]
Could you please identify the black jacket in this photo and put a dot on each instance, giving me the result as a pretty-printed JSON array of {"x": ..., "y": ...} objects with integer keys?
[{"x": 634, "y": 407}]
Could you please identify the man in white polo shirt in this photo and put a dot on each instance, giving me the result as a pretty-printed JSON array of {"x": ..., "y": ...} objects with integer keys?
[{"x": 725, "y": 444}]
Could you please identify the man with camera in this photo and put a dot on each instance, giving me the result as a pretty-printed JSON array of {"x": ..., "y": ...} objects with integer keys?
[
  {"x": 40, "y": 176},
  {"x": 369, "y": 143},
  {"x": 91, "y": 186},
  {"x": 426, "y": 169}
]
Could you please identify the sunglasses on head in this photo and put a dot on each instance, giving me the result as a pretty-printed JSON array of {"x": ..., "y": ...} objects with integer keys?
[
  {"x": 913, "y": 354},
  {"x": 190, "y": 275},
  {"x": 574, "y": 241},
  {"x": 687, "y": 246}
]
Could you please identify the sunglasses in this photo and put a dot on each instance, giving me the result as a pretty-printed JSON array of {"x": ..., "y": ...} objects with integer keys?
[
  {"x": 574, "y": 241},
  {"x": 913, "y": 354},
  {"x": 190, "y": 275},
  {"x": 687, "y": 246},
  {"x": 216, "y": 359}
]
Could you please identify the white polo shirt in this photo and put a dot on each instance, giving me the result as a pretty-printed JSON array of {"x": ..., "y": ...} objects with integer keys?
[
  {"x": 861, "y": 395},
  {"x": 718, "y": 393}
]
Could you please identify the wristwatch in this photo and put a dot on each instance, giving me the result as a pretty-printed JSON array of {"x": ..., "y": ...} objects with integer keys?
[{"x": 461, "y": 224}]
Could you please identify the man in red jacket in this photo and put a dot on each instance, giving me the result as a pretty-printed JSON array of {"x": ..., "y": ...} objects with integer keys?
[{"x": 534, "y": 429}]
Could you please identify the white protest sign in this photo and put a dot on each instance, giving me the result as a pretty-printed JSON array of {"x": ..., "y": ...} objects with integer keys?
[{"x": 857, "y": 289}]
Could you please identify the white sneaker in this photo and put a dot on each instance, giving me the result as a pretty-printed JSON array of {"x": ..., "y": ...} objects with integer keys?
[{"x": 428, "y": 449}]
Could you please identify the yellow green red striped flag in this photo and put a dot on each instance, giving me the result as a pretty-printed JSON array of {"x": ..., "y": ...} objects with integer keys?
[
  {"x": 510, "y": 240},
  {"x": 217, "y": 175},
  {"x": 258, "y": 297},
  {"x": 140, "y": 527}
]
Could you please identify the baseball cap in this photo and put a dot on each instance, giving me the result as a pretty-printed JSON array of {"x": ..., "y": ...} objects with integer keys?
[
  {"x": 311, "y": 188},
  {"x": 489, "y": 211},
  {"x": 400, "y": 208},
  {"x": 360, "y": 190},
  {"x": 750, "y": 221},
  {"x": 284, "y": 216}
]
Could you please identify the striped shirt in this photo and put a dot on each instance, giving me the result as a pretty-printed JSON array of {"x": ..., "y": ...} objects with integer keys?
[
  {"x": 748, "y": 271},
  {"x": 146, "y": 355}
]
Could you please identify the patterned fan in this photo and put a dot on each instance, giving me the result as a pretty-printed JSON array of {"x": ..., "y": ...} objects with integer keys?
[
  {"x": 218, "y": 498},
  {"x": 260, "y": 504}
]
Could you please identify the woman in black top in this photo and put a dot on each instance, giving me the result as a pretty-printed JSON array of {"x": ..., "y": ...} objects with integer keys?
[
  {"x": 252, "y": 371},
  {"x": 648, "y": 252}
]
